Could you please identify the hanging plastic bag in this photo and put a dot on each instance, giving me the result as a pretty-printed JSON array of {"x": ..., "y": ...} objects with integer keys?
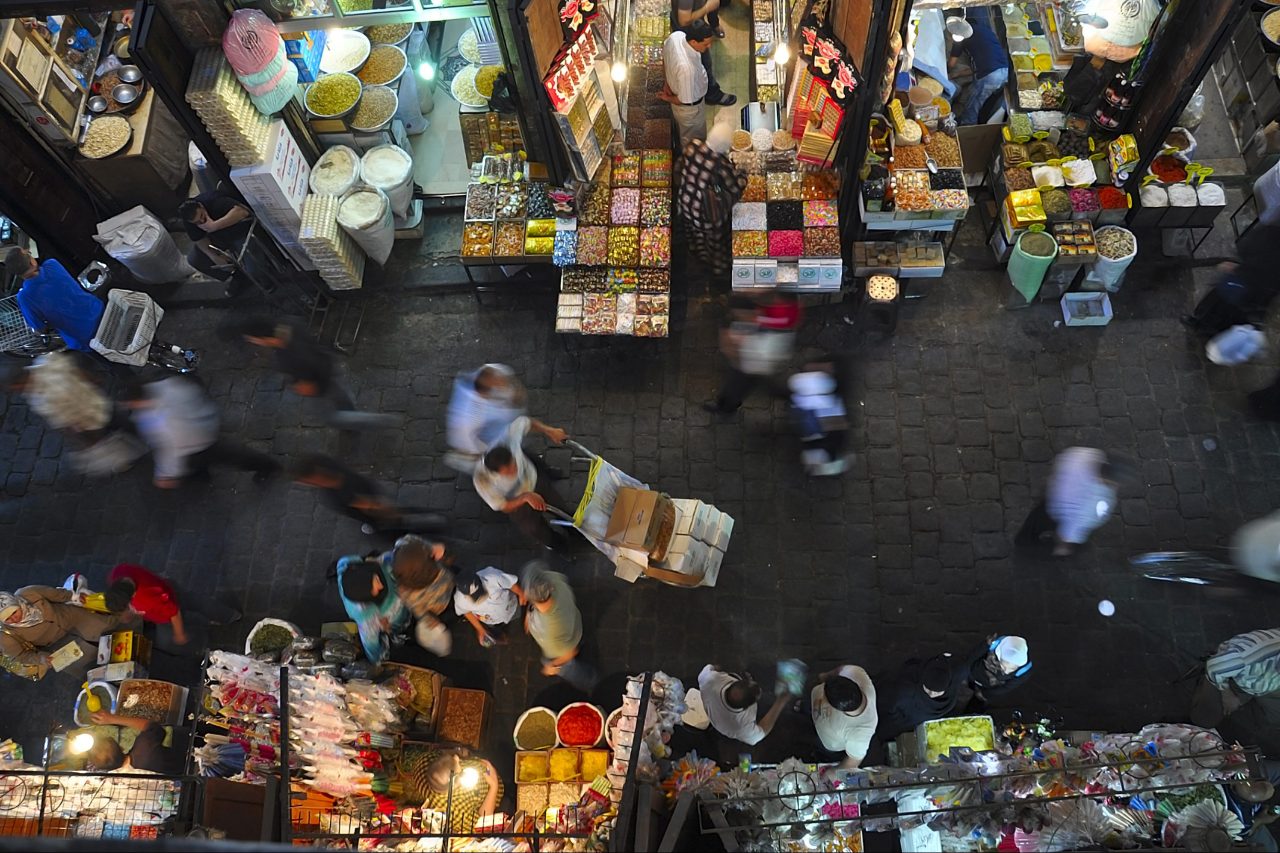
[
  {"x": 390, "y": 169},
  {"x": 1193, "y": 113},
  {"x": 365, "y": 214},
  {"x": 433, "y": 636}
]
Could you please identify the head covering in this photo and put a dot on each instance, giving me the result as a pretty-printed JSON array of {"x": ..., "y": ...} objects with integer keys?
[
  {"x": 470, "y": 584},
  {"x": 357, "y": 582},
  {"x": 11, "y": 604},
  {"x": 720, "y": 137},
  {"x": 1011, "y": 651},
  {"x": 935, "y": 676}
]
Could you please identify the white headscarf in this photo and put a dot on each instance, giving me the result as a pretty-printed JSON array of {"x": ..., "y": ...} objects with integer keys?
[
  {"x": 9, "y": 603},
  {"x": 720, "y": 137}
]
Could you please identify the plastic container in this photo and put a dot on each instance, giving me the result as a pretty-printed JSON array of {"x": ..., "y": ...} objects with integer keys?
[
  {"x": 982, "y": 725},
  {"x": 167, "y": 713},
  {"x": 127, "y": 327},
  {"x": 1030, "y": 260},
  {"x": 106, "y": 693}
]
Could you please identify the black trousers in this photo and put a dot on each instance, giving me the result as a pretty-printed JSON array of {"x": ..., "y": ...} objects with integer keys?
[
  {"x": 737, "y": 385},
  {"x": 229, "y": 454},
  {"x": 1037, "y": 524},
  {"x": 1214, "y": 314},
  {"x": 534, "y": 524},
  {"x": 714, "y": 92}
]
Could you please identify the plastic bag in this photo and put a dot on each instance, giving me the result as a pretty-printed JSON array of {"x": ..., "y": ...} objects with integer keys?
[
  {"x": 433, "y": 636},
  {"x": 138, "y": 240},
  {"x": 250, "y": 41},
  {"x": 1193, "y": 113},
  {"x": 336, "y": 172},
  {"x": 368, "y": 222},
  {"x": 390, "y": 169}
]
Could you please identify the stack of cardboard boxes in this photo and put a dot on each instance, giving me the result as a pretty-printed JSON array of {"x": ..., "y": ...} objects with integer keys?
[
  {"x": 122, "y": 655},
  {"x": 679, "y": 542}
]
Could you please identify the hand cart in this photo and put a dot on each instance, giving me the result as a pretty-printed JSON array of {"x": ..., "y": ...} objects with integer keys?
[{"x": 591, "y": 518}]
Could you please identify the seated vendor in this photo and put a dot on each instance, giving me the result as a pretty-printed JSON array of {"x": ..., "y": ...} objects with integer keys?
[
  {"x": 147, "y": 753},
  {"x": 217, "y": 224},
  {"x": 427, "y": 776}
]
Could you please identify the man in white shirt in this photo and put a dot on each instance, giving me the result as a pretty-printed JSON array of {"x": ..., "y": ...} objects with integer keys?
[
  {"x": 510, "y": 482},
  {"x": 1080, "y": 496},
  {"x": 730, "y": 703},
  {"x": 843, "y": 704},
  {"x": 687, "y": 80},
  {"x": 489, "y": 600}
]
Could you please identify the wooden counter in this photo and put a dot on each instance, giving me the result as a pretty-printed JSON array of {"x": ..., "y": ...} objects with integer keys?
[{"x": 152, "y": 171}]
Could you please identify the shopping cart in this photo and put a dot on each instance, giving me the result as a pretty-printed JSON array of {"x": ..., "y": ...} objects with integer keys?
[
  {"x": 16, "y": 337},
  {"x": 591, "y": 518},
  {"x": 127, "y": 334}
]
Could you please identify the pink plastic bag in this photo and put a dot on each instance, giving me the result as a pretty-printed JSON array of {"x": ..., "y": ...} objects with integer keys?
[{"x": 250, "y": 42}]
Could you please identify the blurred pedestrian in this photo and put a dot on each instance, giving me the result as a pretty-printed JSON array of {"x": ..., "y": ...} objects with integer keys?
[
  {"x": 509, "y": 481},
  {"x": 1244, "y": 669},
  {"x": 1082, "y": 493},
  {"x": 710, "y": 185},
  {"x": 555, "y": 623},
  {"x": 489, "y": 600},
  {"x": 756, "y": 345},
  {"x": 179, "y": 422},
  {"x": 822, "y": 421},
  {"x": 425, "y": 585},
  {"x": 843, "y": 706},
  {"x": 35, "y": 618},
  {"x": 50, "y": 298},
  {"x": 921, "y": 690},
  {"x": 1245, "y": 289},
  {"x": 730, "y": 700},
  {"x": 998, "y": 666},
  {"x": 484, "y": 404},
  {"x": 358, "y": 497},
  {"x": 134, "y": 589}
]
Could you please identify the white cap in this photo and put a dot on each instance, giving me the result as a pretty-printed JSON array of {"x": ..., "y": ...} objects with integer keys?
[{"x": 1012, "y": 651}]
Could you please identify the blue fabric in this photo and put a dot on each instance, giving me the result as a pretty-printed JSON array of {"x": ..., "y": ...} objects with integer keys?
[
  {"x": 53, "y": 298},
  {"x": 986, "y": 53},
  {"x": 370, "y": 616}
]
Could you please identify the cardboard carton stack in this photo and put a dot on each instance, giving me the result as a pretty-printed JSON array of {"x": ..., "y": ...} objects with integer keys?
[{"x": 679, "y": 542}]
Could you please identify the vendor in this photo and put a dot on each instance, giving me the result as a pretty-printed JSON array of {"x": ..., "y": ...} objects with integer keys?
[
  {"x": 845, "y": 715},
  {"x": 427, "y": 776},
  {"x": 922, "y": 690},
  {"x": 147, "y": 753},
  {"x": 730, "y": 701},
  {"x": 34, "y": 618},
  {"x": 988, "y": 61},
  {"x": 217, "y": 224},
  {"x": 1000, "y": 665},
  {"x": 50, "y": 298}
]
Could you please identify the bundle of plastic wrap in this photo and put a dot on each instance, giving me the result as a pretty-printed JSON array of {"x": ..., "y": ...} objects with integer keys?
[
  {"x": 322, "y": 734},
  {"x": 224, "y": 107},
  {"x": 258, "y": 57},
  {"x": 337, "y": 257}
]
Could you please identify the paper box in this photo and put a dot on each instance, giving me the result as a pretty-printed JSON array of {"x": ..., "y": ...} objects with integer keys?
[
  {"x": 114, "y": 672},
  {"x": 711, "y": 571},
  {"x": 124, "y": 646},
  {"x": 705, "y": 522},
  {"x": 766, "y": 272},
  {"x": 643, "y": 519},
  {"x": 724, "y": 530},
  {"x": 280, "y": 181},
  {"x": 691, "y": 561},
  {"x": 685, "y": 511}
]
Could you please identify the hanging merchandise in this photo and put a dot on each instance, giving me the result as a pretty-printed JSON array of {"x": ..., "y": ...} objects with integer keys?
[
  {"x": 260, "y": 60},
  {"x": 139, "y": 240},
  {"x": 390, "y": 169},
  {"x": 365, "y": 214}
]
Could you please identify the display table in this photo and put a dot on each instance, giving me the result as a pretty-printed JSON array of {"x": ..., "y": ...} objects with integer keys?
[{"x": 152, "y": 170}]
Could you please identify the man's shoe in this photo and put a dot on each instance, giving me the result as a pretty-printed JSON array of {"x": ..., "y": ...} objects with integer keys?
[
  {"x": 726, "y": 101},
  {"x": 714, "y": 408},
  {"x": 719, "y": 32}
]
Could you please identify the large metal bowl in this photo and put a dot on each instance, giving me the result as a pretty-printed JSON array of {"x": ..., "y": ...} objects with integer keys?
[
  {"x": 1268, "y": 19},
  {"x": 125, "y": 93},
  {"x": 129, "y": 73}
]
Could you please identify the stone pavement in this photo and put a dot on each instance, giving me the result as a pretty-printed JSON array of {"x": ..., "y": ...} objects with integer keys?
[{"x": 956, "y": 419}]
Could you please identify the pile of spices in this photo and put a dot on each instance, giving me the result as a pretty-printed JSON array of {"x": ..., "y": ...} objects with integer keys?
[
  {"x": 1169, "y": 169},
  {"x": 1111, "y": 198},
  {"x": 579, "y": 725},
  {"x": 537, "y": 730}
]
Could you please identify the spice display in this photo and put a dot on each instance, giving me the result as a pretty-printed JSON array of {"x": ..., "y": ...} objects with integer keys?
[
  {"x": 1038, "y": 245},
  {"x": 565, "y": 252},
  {"x": 749, "y": 216},
  {"x": 741, "y": 140},
  {"x": 1072, "y": 143},
  {"x": 579, "y": 725},
  {"x": 944, "y": 149},
  {"x": 910, "y": 157},
  {"x": 509, "y": 201},
  {"x": 462, "y": 716},
  {"x": 1212, "y": 195},
  {"x": 270, "y": 639},
  {"x": 531, "y": 799},
  {"x": 386, "y": 63},
  {"x": 563, "y": 765},
  {"x": 1013, "y": 154},
  {"x": 625, "y": 207},
  {"x": 655, "y": 207},
  {"x": 540, "y": 228},
  {"x": 1169, "y": 169},
  {"x": 783, "y": 186},
  {"x": 593, "y": 245},
  {"x": 536, "y": 729},
  {"x": 595, "y": 762},
  {"x": 388, "y": 33},
  {"x": 655, "y": 168},
  {"x": 377, "y": 106},
  {"x": 1048, "y": 119},
  {"x": 538, "y": 204},
  {"x": 1019, "y": 179},
  {"x": 1041, "y": 151},
  {"x": 624, "y": 246},
  {"x": 821, "y": 242},
  {"x": 1153, "y": 195},
  {"x": 626, "y": 170},
  {"x": 786, "y": 244},
  {"x": 756, "y": 189},
  {"x": 819, "y": 185},
  {"x": 463, "y": 88},
  {"x": 481, "y": 202},
  {"x": 785, "y": 215},
  {"x": 1047, "y": 176},
  {"x": 1111, "y": 198},
  {"x": 819, "y": 213},
  {"x": 1079, "y": 173},
  {"x": 595, "y": 207},
  {"x": 105, "y": 136},
  {"x": 1183, "y": 195},
  {"x": 532, "y": 767},
  {"x": 477, "y": 239},
  {"x": 1056, "y": 204},
  {"x": 653, "y": 281},
  {"x": 1020, "y": 125},
  {"x": 1177, "y": 140},
  {"x": 152, "y": 700},
  {"x": 333, "y": 94},
  {"x": 1084, "y": 200},
  {"x": 655, "y": 247},
  {"x": 1115, "y": 243},
  {"x": 949, "y": 199},
  {"x": 946, "y": 179},
  {"x": 509, "y": 241},
  {"x": 976, "y": 733},
  {"x": 750, "y": 244}
]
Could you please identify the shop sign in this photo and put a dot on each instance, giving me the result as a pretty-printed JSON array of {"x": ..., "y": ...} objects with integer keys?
[
  {"x": 828, "y": 60},
  {"x": 575, "y": 15}
]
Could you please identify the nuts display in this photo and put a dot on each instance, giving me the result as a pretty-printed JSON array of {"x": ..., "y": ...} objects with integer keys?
[
  {"x": 910, "y": 157},
  {"x": 388, "y": 33},
  {"x": 1115, "y": 243},
  {"x": 106, "y": 136},
  {"x": 747, "y": 161},
  {"x": 593, "y": 245},
  {"x": 481, "y": 202},
  {"x": 1019, "y": 178},
  {"x": 477, "y": 239},
  {"x": 624, "y": 246},
  {"x": 944, "y": 149},
  {"x": 386, "y": 62},
  {"x": 377, "y": 106},
  {"x": 821, "y": 242},
  {"x": 333, "y": 94}
]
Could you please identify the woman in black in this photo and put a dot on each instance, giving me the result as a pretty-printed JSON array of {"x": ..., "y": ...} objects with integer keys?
[{"x": 710, "y": 185}]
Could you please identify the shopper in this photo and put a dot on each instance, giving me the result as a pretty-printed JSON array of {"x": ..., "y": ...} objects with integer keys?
[
  {"x": 36, "y": 620},
  {"x": 512, "y": 483},
  {"x": 821, "y": 418},
  {"x": 369, "y": 594},
  {"x": 50, "y": 298},
  {"x": 998, "y": 666},
  {"x": 482, "y": 407},
  {"x": 710, "y": 185},
  {"x": 843, "y": 706},
  {"x": 179, "y": 422},
  {"x": 555, "y": 623},
  {"x": 134, "y": 589},
  {"x": 730, "y": 701},
  {"x": 684, "y": 13},
  {"x": 1244, "y": 669},
  {"x": 1246, "y": 288},
  {"x": 147, "y": 753},
  {"x": 989, "y": 62},
  {"x": 922, "y": 690},
  {"x": 425, "y": 585},
  {"x": 217, "y": 224},
  {"x": 687, "y": 81},
  {"x": 358, "y": 497},
  {"x": 489, "y": 600},
  {"x": 1080, "y": 496},
  {"x": 756, "y": 345}
]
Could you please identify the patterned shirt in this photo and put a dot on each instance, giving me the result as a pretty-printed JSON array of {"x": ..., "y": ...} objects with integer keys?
[
  {"x": 706, "y": 175},
  {"x": 1251, "y": 660},
  {"x": 60, "y": 393}
]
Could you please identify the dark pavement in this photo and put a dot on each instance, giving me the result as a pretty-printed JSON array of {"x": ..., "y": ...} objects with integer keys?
[{"x": 956, "y": 419}]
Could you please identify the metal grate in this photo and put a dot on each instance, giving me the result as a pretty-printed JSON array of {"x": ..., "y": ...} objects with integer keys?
[{"x": 119, "y": 327}]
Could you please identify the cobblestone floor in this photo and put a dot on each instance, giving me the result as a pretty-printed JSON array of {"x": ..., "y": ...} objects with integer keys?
[{"x": 957, "y": 417}]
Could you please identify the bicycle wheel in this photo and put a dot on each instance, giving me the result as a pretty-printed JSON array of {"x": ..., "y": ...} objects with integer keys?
[{"x": 1186, "y": 567}]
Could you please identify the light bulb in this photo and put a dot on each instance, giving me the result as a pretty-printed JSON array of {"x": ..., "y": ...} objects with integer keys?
[
  {"x": 81, "y": 743},
  {"x": 469, "y": 778},
  {"x": 426, "y": 71},
  {"x": 781, "y": 54},
  {"x": 618, "y": 72}
]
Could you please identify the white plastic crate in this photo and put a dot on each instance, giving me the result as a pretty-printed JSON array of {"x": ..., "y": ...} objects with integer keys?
[{"x": 127, "y": 327}]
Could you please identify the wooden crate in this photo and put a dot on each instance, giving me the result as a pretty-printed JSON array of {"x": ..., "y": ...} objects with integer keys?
[{"x": 468, "y": 730}]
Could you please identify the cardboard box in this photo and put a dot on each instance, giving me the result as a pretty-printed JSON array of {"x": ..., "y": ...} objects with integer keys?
[
  {"x": 705, "y": 522},
  {"x": 711, "y": 571},
  {"x": 724, "y": 530},
  {"x": 639, "y": 519},
  {"x": 691, "y": 561},
  {"x": 124, "y": 646},
  {"x": 685, "y": 510},
  {"x": 117, "y": 672},
  {"x": 280, "y": 181}
]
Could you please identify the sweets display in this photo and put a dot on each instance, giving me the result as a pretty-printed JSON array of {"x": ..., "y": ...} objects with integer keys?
[
  {"x": 750, "y": 244},
  {"x": 593, "y": 245},
  {"x": 625, "y": 207},
  {"x": 786, "y": 244},
  {"x": 655, "y": 247},
  {"x": 785, "y": 215},
  {"x": 821, "y": 242},
  {"x": 624, "y": 246},
  {"x": 477, "y": 239},
  {"x": 655, "y": 207},
  {"x": 509, "y": 241}
]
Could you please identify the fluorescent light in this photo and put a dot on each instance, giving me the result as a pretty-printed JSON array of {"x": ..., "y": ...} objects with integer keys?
[
  {"x": 781, "y": 54},
  {"x": 80, "y": 744}
]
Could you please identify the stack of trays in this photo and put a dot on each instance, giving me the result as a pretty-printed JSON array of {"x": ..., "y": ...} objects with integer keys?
[
  {"x": 223, "y": 105},
  {"x": 337, "y": 257}
]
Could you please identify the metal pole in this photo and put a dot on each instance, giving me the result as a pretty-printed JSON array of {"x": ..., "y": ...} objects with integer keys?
[
  {"x": 448, "y": 812},
  {"x": 286, "y": 786}
]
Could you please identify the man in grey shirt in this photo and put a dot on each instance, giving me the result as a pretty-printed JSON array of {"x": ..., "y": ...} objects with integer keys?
[
  {"x": 1082, "y": 493},
  {"x": 686, "y": 12},
  {"x": 555, "y": 623}
]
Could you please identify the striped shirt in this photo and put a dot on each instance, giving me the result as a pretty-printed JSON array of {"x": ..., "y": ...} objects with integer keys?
[{"x": 1250, "y": 660}]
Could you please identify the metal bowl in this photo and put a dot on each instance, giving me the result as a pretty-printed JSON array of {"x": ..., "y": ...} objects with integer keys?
[
  {"x": 98, "y": 104},
  {"x": 124, "y": 93},
  {"x": 129, "y": 73}
]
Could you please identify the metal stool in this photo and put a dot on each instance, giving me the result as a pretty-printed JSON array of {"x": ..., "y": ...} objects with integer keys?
[{"x": 883, "y": 298}]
